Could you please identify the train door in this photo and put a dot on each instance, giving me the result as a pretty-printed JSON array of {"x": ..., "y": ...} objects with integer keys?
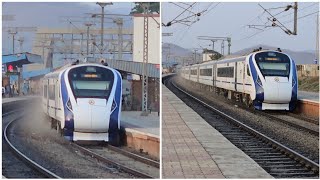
[
  {"x": 235, "y": 75},
  {"x": 247, "y": 79},
  {"x": 47, "y": 83},
  {"x": 214, "y": 74},
  {"x": 198, "y": 72},
  {"x": 56, "y": 98}
]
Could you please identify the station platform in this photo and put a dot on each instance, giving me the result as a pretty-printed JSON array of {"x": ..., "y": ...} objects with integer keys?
[
  {"x": 191, "y": 148},
  {"x": 308, "y": 104},
  {"x": 310, "y": 96},
  {"x": 142, "y": 133},
  {"x": 19, "y": 98}
]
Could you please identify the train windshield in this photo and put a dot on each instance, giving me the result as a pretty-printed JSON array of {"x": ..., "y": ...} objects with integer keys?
[
  {"x": 273, "y": 64},
  {"x": 91, "y": 82}
]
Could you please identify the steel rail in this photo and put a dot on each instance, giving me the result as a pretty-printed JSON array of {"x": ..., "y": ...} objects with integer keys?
[
  {"x": 275, "y": 118},
  {"x": 135, "y": 156},
  {"x": 291, "y": 153},
  {"x": 22, "y": 156},
  {"x": 109, "y": 161}
]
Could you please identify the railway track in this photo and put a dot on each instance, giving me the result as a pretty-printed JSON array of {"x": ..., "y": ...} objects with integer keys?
[
  {"x": 123, "y": 160},
  {"x": 277, "y": 159},
  {"x": 15, "y": 164},
  {"x": 314, "y": 129}
]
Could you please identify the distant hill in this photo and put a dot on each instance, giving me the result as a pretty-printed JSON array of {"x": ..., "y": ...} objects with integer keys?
[
  {"x": 176, "y": 51},
  {"x": 300, "y": 57}
]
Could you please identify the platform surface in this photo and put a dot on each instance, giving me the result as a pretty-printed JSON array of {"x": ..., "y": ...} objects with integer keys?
[
  {"x": 146, "y": 124},
  {"x": 18, "y": 98},
  {"x": 191, "y": 148},
  {"x": 311, "y": 96}
]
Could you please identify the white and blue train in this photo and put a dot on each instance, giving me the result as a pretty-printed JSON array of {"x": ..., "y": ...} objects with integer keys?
[
  {"x": 84, "y": 102},
  {"x": 265, "y": 79}
]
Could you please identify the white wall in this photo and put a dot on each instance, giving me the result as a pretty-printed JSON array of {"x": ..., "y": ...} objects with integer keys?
[{"x": 153, "y": 39}]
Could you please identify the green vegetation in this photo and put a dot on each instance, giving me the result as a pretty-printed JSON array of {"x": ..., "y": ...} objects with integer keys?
[
  {"x": 153, "y": 7},
  {"x": 310, "y": 84}
]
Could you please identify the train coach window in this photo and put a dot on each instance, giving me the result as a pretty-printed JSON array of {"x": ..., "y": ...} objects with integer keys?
[
  {"x": 206, "y": 72},
  {"x": 248, "y": 71},
  {"x": 51, "y": 92},
  {"x": 45, "y": 89},
  {"x": 194, "y": 72},
  {"x": 226, "y": 72},
  {"x": 92, "y": 81}
]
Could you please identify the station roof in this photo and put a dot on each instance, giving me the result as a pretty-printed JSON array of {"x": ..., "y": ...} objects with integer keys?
[{"x": 21, "y": 58}]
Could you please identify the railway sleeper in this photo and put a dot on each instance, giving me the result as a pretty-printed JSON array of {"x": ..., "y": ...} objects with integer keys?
[
  {"x": 294, "y": 174},
  {"x": 277, "y": 159},
  {"x": 289, "y": 170}
]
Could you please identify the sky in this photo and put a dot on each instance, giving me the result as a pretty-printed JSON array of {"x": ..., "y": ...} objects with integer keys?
[
  {"x": 37, "y": 14},
  {"x": 230, "y": 19}
]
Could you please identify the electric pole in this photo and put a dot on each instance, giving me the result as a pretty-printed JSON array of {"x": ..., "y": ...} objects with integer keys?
[
  {"x": 102, "y": 5},
  {"x": 317, "y": 40},
  {"x": 13, "y": 33},
  {"x": 119, "y": 22},
  {"x": 295, "y": 18},
  {"x": 145, "y": 59},
  {"x": 214, "y": 39},
  {"x": 195, "y": 55},
  {"x": 14, "y": 30},
  {"x": 21, "y": 40},
  {"x": 88, "y": 37}
]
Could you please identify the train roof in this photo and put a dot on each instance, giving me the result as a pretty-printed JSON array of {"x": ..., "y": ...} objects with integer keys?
[
  {"x": 59, "y": 70},
  {"x": 230, "y": 59}
]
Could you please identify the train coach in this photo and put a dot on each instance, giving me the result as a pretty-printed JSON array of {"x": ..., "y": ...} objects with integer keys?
[
  {"x": 266, "y": 80},
  {"x": 84, "y": 102}
]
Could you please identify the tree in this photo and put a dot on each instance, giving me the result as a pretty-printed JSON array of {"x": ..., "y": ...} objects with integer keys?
[{"x": 154, "y": 7}]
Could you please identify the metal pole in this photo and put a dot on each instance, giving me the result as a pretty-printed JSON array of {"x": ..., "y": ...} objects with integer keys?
[
  {"x": 119, "y": 22},
  {"x": 88, "y": 42},
  {"x": 13, "y": 43},
  {"x": 102, "y": 21},
  {"x": 213, "y": 45},
  {"x": 317, "y": 40},
  {"x": 295, "y": 18},
  {"x": 145, "y": 60},
  {"x": 229, "y": 45},
  {"x": 222, "y": 47}
]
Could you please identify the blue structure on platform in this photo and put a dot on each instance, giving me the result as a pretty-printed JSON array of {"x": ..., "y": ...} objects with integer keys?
[{"x": 24, "y": 58}]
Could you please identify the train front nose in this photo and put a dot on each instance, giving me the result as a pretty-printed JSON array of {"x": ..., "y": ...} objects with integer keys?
[
  {"x": 276, "y": 90},
  {"x": 91, "y": 116}
]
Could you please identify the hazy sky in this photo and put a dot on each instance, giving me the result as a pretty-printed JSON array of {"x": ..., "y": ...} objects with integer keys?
[
  {"x": 50, "y": 15},
  {"x": 230, "y": 19}
]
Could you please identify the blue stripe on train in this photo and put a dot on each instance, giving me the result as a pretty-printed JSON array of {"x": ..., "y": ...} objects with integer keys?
[
  {"x": 294, "y": 94},
  {"x": 69, "y": 124},
  {"x": 114, "y": 117},
  {"x": 259, "y": 90}
]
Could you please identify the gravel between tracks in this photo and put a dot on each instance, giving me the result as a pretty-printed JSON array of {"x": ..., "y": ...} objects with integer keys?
[
  {"x": 304, "y": 143},
  {"x": 46, "y": 147}
]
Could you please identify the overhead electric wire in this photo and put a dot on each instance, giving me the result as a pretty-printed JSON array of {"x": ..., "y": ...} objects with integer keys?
[
  {"x": 302, "y": 17},
  {"x": 213, "y": 7},
  {"x": 299, "y": 10},
  {"x": 184, "y": 11},
  {"x": 250, "y": 36},
  {"x": 282, "y": 26}
]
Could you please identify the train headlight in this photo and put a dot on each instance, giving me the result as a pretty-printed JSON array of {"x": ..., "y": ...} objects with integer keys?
[
  {"x": 69, "y": 106},
  {"x": 259, "y": 81}
]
